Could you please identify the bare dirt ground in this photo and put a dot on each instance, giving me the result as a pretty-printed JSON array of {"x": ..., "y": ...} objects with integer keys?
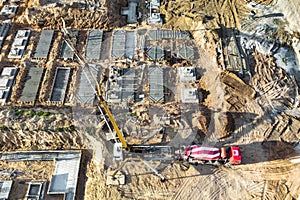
[
  {"x": 259, "y": 123},
  {"x": 27, "y": 129}
]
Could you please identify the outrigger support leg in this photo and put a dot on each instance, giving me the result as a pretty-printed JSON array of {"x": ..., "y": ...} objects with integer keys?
[{"x": 162, "y": 178}]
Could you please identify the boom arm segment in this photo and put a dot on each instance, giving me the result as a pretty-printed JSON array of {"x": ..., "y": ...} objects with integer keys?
[
  {"x": 102, "y": 101},
  {"x": 113, "y": 122}
]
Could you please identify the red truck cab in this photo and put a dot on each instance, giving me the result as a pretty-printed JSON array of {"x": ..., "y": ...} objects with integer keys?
[{"x": 235, "y": 156}]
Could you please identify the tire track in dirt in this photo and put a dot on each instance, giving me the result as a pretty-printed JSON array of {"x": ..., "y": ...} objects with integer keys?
[
  {"x": 234, "y": 13},
  {"x": 212, "y": 186}
]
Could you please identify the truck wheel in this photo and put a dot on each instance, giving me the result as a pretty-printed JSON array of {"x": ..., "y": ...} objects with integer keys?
[
  {"x": 184, "y": 165},
  {"x": 228, "y": 164},
  {"x": 217, "y": 163}
]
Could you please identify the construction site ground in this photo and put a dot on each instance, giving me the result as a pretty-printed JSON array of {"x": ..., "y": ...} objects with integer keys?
[{"x": 259, "y": 112}]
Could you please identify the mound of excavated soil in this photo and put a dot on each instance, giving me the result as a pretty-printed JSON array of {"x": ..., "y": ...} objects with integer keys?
[{"x": 234, "y": 85}]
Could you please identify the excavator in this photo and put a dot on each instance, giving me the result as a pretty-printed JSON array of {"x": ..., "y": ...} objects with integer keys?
[{"x": 123, "y": 152}]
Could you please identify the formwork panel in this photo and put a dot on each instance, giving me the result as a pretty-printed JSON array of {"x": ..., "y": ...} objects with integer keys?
[
  {"x": 86, "y": 94},
  {"x": 118, "y": 44},
  {"x": 31, "y": 87},
  {"x": 44, "y": 44},
  {"x": 156, "y": 84},
  {"x": 60, "y": 84},
  {"x": 66, "y": 51},
  {"x": 130, "y": 44},
  {"x": 93, "y": 45}
]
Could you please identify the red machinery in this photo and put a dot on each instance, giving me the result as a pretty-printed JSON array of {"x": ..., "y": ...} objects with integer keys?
[{"x": 197, "y": 154}]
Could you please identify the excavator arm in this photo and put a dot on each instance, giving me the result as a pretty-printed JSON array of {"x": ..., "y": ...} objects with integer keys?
[{"x": 114, "y": 124}]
